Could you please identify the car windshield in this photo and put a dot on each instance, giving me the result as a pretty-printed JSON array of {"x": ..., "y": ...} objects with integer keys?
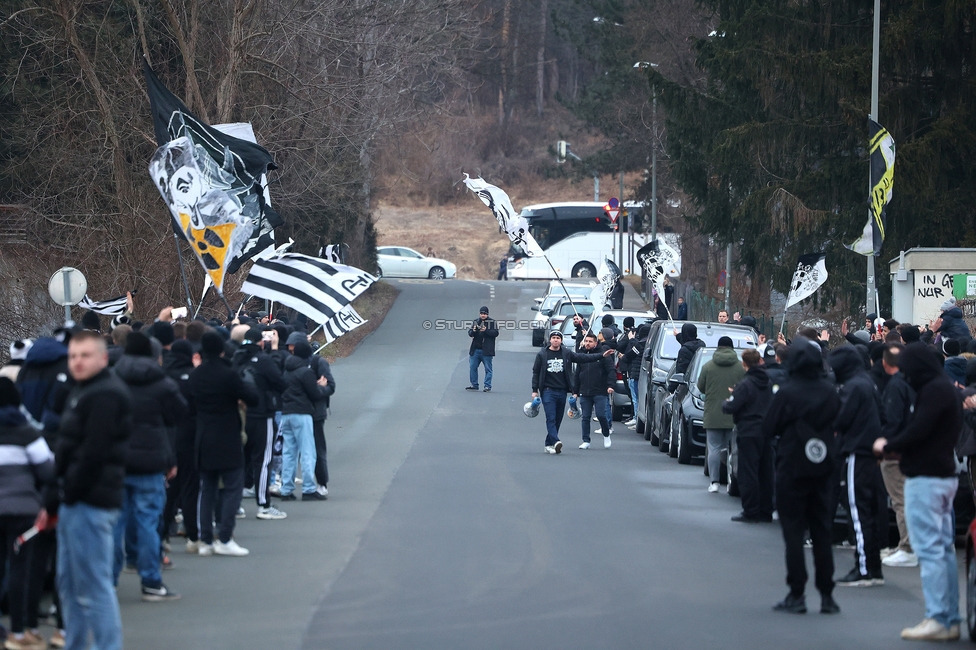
[
  {"x": 549, "y": 302},
  {"x": 710, "y": 334},
  {"x": 639, "y": 318},
  {"x": 566, "y": 309},
  {"x": 406, "y": 252},
  {"x": 670, "y": 345}
]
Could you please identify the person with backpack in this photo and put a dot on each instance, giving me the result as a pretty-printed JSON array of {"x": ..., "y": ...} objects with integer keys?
[
  {"x": 259, "y": 371},
  {"x": 801, "y": 417}
]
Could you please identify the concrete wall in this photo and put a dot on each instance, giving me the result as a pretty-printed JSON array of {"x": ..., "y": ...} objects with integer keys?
[{"x": 921, "y": 283}]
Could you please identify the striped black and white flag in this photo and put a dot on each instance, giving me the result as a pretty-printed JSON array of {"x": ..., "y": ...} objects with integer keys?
[
  {"x": 332, "y": 253},
  {"x": 113, "y": 307},
  {"x": 309, "y": 285},
  {"x": 344, "y": 322}
]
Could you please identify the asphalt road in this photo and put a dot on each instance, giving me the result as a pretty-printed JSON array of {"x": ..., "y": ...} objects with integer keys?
[{"x": 448, "y": 527}]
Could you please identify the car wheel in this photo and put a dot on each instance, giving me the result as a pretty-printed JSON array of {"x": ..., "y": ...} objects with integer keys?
[
  {"x": 648, "y": 421},
  {"x": 655, "y": 436},
  {"x": 733, "y": 471},
  {"x": 684, "y": 443},
  {"x": 664, "y": 438},
  {"x": 437, "y": 273},
  {"x": 676, "y": 422},
  {"x": 379, "y": 271},
  {"x": 971, "y": 594},
  {"x": 640, "y": 425},
  {"x": 584, "y": 270}
]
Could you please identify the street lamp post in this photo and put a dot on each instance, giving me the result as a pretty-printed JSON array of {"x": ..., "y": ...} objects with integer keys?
[{"x": 643, "y": 65}]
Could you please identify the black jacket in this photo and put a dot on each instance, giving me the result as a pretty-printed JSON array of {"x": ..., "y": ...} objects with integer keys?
[
  {"x": 44, "y": 383},
  {"x": 485, "y": 340},
  {"x": 26, "y": 465},
  {"x": 185, "y": 430},
  {"x": 777, "y": 375},
  {"x": 157, "y": 406},
  {"x": 215, "y": 388},
  {"x": 749, "y": 402},
  {"x": 896, "y": 403},
  {"x": 92, "y": 442},
  {"x": 806, "y": 397},
  {"x": 569, "y": 358},
  {"x": 690, "y": 343},
  {"x": 617, "y": 296},
  {"x": 301, "y": 390},
  {"x": 262, "y": 373},
  {"x": 858, "y": 424},
  {"x": 320, "y": 366},
  {"x": 927, "y": 443},
  {"x": 595, "y": 378},
  {"x": 632, "y": 351}
]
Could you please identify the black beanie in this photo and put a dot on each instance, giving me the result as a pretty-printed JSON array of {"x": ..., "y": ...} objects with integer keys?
[
  {"x": 303, "y": 350},
  {"x": 9, "y": 395},
  {"x": 137, "y": 345},
  {"x": 484, "y": 310},
  {"x": 607, "y": 320},
  {"x": 162, "y": 331},
  {"x": 182, "y": 348},
  {"x": 951, "y": 348},
  {"x": 90, "y": 321},
  {"x": 212, "y": 344},
  {"x": 725, "y": 342}
]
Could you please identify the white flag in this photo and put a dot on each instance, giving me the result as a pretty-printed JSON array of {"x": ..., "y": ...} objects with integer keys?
[
  {"x": 811, "y": 272},
  {"x": 608, "y": 274},
  {"x": 343, "y": 322},
  {"x": 511, "y": 221},
  {"x": 659, "y": 260}
]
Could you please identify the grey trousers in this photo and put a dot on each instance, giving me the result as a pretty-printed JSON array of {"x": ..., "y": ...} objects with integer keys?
[
  {"x": 716, "y": 440},
  {"x": 894, "y": 482}
]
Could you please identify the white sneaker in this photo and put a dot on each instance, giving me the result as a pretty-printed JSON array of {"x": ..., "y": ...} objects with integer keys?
[
  {"x": 928, "y": 630},
  {"x": 585, "y": 445},
  {"x": 271, "y": 512},
  {"x": 206, "y": 549},
  {"x": 611, "y": 431},
  {"x": 298, "y": 480},
  {"x": 901, "y": 558},
  {"x": 885, "y": 552},
  {"x": 247, "y": 493},
  {"x": 231, "y": 548},
  {"x": 558, "y": 446},
  {"x": 713, "y": 488},
  {"x": 275, "y": 489},
  {"x": 324, "y": 491},
  {"x": 606, "y": 442},
  {"x": 630, "y": 422},
  {"x": 241, "y": 513},
  {"x": 550, "y": 449},
  {"x": 596, "y": 419},
  {"x": 193, "y": 548}
]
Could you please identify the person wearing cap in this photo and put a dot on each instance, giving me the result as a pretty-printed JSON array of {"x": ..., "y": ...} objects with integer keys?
[
  {"x": 302, "y": 391},
  {"x": 552, "y": 379},
  {"x": 483, "y": 333},
  {"x": 18, "y": 353},
  {"x": 594, "y": 382},
  {"x": 215, "y": 392},
  {"x": 715, "y": 381},
  {"x": 260, "y": 370}
]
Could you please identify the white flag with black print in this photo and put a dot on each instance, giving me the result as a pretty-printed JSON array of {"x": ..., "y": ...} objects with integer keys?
[
  {"x": 309, "y": 285},
  {"x": 332, "y": 253},
  {"x": 344, "y": 322},
  {"x": 659, "y": 260},
  {"x": 508, "y": 218},
  {"x": 608, "y": 274},
  {"x": 113, "y": 307},
  {"x": 811, "y": 272}
]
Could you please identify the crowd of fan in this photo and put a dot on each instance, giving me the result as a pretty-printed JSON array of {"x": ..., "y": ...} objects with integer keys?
[{"x": 113, "y": 442}]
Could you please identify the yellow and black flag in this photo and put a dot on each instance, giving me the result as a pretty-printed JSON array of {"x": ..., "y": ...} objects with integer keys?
[{"x": 882, "y": 147}]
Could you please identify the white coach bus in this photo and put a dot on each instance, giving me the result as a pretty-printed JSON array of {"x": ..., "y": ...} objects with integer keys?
[{"x": 577, "y": 237}]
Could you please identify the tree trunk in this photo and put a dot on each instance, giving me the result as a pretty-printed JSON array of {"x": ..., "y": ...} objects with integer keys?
[
  {"x": 506, "y": 37},
  {"x": 540, "y": 60}
]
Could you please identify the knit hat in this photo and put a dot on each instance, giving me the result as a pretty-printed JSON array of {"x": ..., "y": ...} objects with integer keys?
[
  {"x": 629, "y": 321},
  {"x": 910, "y": 334},
  {"x": 295, "y": 338},
  {"x": 137, "y": 345},
  {"x": 121, "y": 319},
  {"x": 863, "y": 335},
  {"x": 90, "y": 321},
  {"x": 303, "y": 350},
  {"x": 162, "y": 331},
  {"x": 555, "y": 333},
  {"x": 948, "y": 304},
  {"x": 9, "y": 395},
  {"x": 254, "y": 335},
  {"x": 607, "y": 334},
  {"x": 607, "y": 320},
  {"x": 19, "y": 349},
  {"x": 212, "y": 343},
  {"x": 483, "y": 310},
  {"x": 725, "y": 342},
  {"x": 951, "y": 347},
  {"x": 182, "y": 348}
]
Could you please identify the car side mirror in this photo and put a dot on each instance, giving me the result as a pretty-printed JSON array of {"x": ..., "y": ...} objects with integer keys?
[
  {"x": 678, "y": 378},
  {"x": 535, "y": 307},
  {"x": 546, "y": 312}
]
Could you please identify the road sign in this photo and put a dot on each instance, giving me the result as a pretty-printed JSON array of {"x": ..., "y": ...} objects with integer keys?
[
  {"x": 612, "y": 208},
  {"x": 67, "y": 287}
]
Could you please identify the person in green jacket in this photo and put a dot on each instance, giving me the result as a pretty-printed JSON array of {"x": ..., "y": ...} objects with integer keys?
[{"x": 715, "y": 382}]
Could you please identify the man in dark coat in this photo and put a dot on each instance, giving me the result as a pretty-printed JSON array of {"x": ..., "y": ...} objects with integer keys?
[
  {"x": 157, "y": 406},
  {"x": 896, "y": 402},
  {"x": 801, "y": 415},
  {"x": 950, "y": 324},
  {"x": 858, "y": 425},
  {"x": 748, "y": 405},
  {"x": 90, "y": 463},
  {"x": 483, "y": 333},
  {"x": 215, "y": 390},
  {"x": 617, "y": 295},
  {"x": 302, "y": 391},
  {"x": 927, "y": 448},
  {"x": 323, "y": 371},
  {"x": 690, "y": 343},
  {"x": 682, "y": 310},
  {"x": 186, "y": 483},
  {"x": 594, "y": 383}
]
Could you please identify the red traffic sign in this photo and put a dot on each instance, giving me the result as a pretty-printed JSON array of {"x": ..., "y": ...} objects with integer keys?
[{"x": 612, "y": 208}]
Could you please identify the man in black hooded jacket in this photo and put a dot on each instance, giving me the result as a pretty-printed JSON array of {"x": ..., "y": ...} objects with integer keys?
[
  {"x": 690, "y": 343},
  {"x": 748, "y": 405},
  {"x": 858, "y": 425},
  {"x": 801, "y": 415}
]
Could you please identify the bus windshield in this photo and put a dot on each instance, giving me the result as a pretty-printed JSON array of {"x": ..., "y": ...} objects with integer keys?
[{"x": 551, "y": 223}]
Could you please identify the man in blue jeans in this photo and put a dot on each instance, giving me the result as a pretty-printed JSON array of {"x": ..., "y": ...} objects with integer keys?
[
  {"x": 553, "y": 377},
  {"x": 595, "y": 384},
  {"x": 926, "y": 445},
  {"x": 90, "y": 460},
  {"x": 302, "y": 391},
  {"x": 483, "y": 333}
]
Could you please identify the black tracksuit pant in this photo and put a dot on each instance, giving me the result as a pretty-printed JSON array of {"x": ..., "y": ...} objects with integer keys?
[
  {"x": 321, "y": 464},
  {"x": 188, "y": 479},
  {"x": 804, "y": 503},
  {"x": 755, "y": 476},
  {"x": 864, "y": 498},
  {"x": 261, "y": 435},
  {"x": 23, "y": 595}
]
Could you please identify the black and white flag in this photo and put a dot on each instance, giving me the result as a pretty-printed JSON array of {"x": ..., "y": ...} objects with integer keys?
[
  {"x": 332, "y": 253},
  {"x": 309, "y": 285},
  {"x": 608, "y": 274},
  {"x": 113, "y": 307},
  {"x": 344, "y": 322},
  {"x": 508, "y": 218},
  {"x": 658, "y": 260},
  {"x": 811, "y": 272}
]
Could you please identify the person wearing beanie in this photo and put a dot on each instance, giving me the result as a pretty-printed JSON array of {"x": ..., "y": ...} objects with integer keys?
[
  {"x": 150, "y": 460},
  {"x": 163, "y": 332},
  {"x": 18, "y": 354},
  {"x": 258, "y": 368},
  {"x": 483, "y": 333},
  {"x": 717, "y": 376},
  {"x": 215, "y": 390},
  {"x": 302, "y": 391},
  {"x": 609, "y": 321},
  {"x": 950, "y": 323},
  {"x": 90, "y": 321},
  {"x": 955, "y": 365}
]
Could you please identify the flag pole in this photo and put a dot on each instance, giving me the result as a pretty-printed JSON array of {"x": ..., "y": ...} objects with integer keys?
[
  {"x": 202, "y": 297},
  {"x": 186, "y": 285},
  {"x": 560, "y": 280},
  {"x": 872, "y": 293}
]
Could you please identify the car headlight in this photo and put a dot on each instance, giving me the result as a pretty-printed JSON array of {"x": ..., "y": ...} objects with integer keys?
[{"x": 698, "y": 401}]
